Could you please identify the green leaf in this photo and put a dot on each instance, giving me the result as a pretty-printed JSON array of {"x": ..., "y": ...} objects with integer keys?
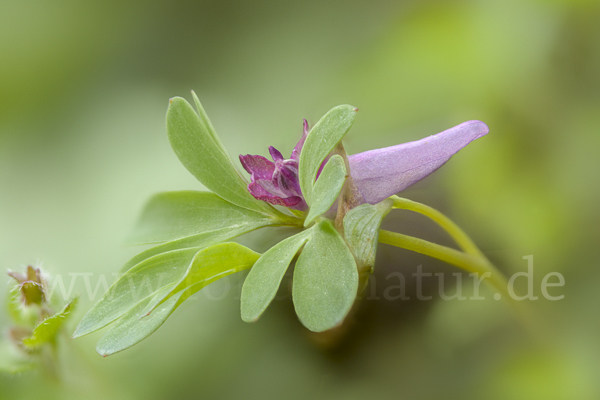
[
  {"x": 197, "y": 241},
  {"x": 264, "y": 278},
  {"x": 327, "y": 188},
  {"x": 325, "y": 280},
  {"x": 208, "y": 266},
  {"x": 207, "y": 124},
  {"x": 200, "y": 151},
  {"x": 136, "y": 326},
  {"x": 321, "y": 140},
  {"x": 45, "y": 331},
  {"x": 138, "y": 283},
  {"x": 175, "y": 215},
  {"x": 211, "y": 264},
  {"x": 361, "y": 230}
]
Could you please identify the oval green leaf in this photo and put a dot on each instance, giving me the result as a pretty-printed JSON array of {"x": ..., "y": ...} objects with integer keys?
[
  {"x": 325, "y": 280},
  {"x": 321, "y": 140},
  {"x": 198, "y": 148},
  {"x": 327, "y": 188},
  {"x": 264, "y": 278}
]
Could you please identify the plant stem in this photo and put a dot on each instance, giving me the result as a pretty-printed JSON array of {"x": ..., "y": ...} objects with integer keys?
[
  {"x": 459, "y": 236},
  {"x": 471, "y": 260},
  {"x": 468, "y": 262}
]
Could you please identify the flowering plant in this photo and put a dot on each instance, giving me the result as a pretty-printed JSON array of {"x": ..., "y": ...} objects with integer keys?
[
  {"x": 35, "y": 325},
  {"x": 337, "y": 201}
]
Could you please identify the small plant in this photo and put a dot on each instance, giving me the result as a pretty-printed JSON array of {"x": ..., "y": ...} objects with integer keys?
[
  {"x": 34, "y": 334},
  {"x": 337, "y": 201}
]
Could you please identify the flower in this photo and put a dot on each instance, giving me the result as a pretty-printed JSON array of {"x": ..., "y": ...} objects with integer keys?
[
  {"x": 377, "y": 174},
  {"x": 276, "y": 182}
]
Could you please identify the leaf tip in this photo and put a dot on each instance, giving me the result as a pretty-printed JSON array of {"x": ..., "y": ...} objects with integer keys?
[
  {"x": 76, "y": 334},
  {"x": 249, "y": 319},
  {"x": 103, "y": 352}
]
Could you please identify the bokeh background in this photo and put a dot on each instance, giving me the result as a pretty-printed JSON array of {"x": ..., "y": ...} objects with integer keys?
[{"x": 83, "y": 94}]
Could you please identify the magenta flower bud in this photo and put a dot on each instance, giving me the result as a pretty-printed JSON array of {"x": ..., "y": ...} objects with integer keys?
[{"x": 276, "y": 182}]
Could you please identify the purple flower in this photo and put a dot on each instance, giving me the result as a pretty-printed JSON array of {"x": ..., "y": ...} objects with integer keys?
[
  {"x": 276, "y": 181},
  {"x": 377, "y": 174}
]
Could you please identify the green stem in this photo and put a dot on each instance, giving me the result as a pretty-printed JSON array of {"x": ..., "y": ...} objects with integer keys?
[
  {"x": 468, "y": 262},
  {"x": 461, "y": 238},
  {"x": 471, "y": 260}
]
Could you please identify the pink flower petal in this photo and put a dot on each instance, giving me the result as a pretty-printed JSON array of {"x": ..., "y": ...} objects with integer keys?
[
  {"x": 381, "y": 173},
  {"x": 298, "y": 147},
  {"x": 258, "y": 166},
  {"x": 261, "y": 194}
]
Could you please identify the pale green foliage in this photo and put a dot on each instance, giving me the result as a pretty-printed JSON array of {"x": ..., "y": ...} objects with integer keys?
[
  {"x": 207, "y": 124},
  {"x": 201, "y": 240},
  {"x": 264, "y": 278},
  {"x": 175, "y": 215},
  {"x": 321, "y": 140},
  {"x": 144, "y": 280},
  {"x": 189, "y": 226},
  {"x": 198, "y": 148},
  {"x": 209, "y": 265},
  {"x": 136, "y": 325},
  {"x": 325, "y": 279},
  {"x": 34, "y": 328},
  {"x": 327, "y": 188},
  {"x": 162, "y": 283},
  {"x": 361, "y": 230}
]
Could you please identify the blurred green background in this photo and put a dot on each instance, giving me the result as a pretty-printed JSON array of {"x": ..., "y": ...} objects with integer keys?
[{"x": 83, "y": 94}]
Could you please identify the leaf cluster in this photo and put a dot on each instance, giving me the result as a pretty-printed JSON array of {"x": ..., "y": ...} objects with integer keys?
[{"x": 192, "y": 232}]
